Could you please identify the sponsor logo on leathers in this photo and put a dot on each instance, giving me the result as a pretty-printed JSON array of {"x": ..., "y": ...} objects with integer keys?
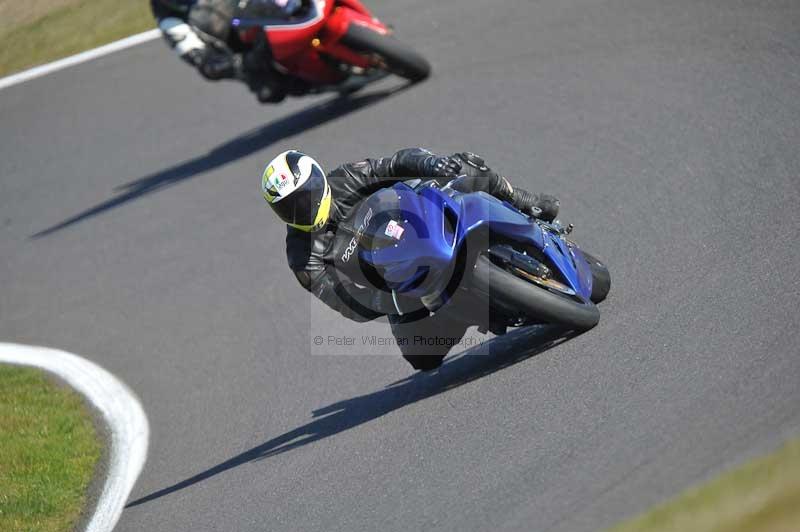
[{"x": 351, "y": 247}]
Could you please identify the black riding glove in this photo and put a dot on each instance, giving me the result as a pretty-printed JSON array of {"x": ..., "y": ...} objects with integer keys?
[{"x": 435, "y": 166}]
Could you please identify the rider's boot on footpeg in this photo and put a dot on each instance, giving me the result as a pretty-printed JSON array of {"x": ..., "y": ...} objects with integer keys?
[
  {"x": 269, "y": 94},
  {"x": 262, "y": 78},
  {"x": 542, "y": 206}
]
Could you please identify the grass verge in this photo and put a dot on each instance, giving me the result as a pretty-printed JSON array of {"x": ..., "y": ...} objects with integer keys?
[
  {"x": 48, "y": 452},
  {"x": 763, "y": 495},
  {"x": 53, "y": 29}
]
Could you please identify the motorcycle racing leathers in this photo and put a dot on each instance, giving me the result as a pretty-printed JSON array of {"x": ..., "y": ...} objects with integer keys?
[
  {"x": 311, "y": 256},
  {"x": 202, "y": 36}
]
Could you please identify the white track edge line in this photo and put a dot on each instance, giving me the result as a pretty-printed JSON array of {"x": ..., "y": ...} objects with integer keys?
[
  {"x": 82, "y": 57},
  {"x": 120, "y": 409}
]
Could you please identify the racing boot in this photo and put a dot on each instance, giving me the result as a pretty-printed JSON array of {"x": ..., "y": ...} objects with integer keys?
[
  {"x": 548, "y": 205},
  {"x": 269, "y": 93},
  {"x": 542, "y": 206},
  {"x": 261, "y": 77},
  {"x": 278, "y": 86}
]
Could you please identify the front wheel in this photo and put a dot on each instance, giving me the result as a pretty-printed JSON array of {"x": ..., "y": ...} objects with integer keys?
[
  {"x": 601, "y": 278},
  {"x": 398, "y": 58},
  {"x": 510, "y": 291}
]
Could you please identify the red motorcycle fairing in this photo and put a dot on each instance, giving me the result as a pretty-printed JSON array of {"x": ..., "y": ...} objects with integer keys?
[
  {"x": 297, "y": 45},
  {"x": 355, "y": 5},
  {"x": 294, "y": 38},
  {"x": 344, "y": 15},
  {"x": 367, "y": 19}
]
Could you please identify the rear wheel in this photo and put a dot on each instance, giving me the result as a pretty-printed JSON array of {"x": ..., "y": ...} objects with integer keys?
[
  {"x": 509, "y": 291},
  {"x": 398, "y": 57}
]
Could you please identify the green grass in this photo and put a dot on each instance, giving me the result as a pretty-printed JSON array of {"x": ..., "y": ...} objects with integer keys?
[
  {"x": 64, "y": 30},
  {"x": 48, "y": 452},
  {"x": 763, "y": 496}
]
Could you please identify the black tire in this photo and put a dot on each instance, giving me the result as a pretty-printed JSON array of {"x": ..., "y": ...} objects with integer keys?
[
  {"x": 536, "y": 302},
  {"x": 601, "y": 278},
  {"x": 424, "y": 362},
  {"x": 400, "y": 59}
]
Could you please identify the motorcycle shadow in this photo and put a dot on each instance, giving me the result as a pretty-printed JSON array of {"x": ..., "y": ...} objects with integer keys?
[
  {"x": 475, "y": 363},
  {"x": 242, "y": 146}
]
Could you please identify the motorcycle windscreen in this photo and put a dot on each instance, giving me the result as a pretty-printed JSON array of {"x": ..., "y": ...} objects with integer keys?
[
  {"x": 405, "y": 242},
  {"x": 362, "y": 234}
]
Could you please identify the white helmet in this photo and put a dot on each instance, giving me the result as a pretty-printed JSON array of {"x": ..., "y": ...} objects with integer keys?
[{"x": 295, "y": 187}]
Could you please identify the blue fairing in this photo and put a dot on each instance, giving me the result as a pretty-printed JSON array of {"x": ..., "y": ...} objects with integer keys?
[{"x": 435, "y": 224}]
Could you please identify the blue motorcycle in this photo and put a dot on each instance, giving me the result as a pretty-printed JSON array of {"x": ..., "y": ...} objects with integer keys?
[{"x": 472, "y": 255}]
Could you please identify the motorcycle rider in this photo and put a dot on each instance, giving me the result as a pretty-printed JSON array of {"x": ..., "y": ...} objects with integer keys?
[
  {"x": 314, "y": 206},
  {"x": 200, "y": 32}
]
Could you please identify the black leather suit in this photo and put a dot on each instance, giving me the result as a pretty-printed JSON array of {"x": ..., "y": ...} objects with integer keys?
[{"x": 202, "y": 36}]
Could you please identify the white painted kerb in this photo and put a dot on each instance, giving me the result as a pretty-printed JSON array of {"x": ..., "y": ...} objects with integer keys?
[
  {"x": 126, "y": 420},
  {"x": 82, "y": 57}
]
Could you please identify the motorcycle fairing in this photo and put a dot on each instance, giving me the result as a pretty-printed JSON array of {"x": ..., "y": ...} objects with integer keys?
[
  {"x": 323, "y": 26},
  {"x": 436, "y": 224}
]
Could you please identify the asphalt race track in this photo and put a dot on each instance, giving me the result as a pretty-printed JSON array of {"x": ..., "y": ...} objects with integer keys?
[{"x": 132, "y": 231}]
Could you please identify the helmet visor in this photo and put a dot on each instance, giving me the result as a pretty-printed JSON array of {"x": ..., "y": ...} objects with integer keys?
[{"x": 302, "y": 206}]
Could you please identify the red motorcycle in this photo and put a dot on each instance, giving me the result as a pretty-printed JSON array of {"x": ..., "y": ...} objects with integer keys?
[{"x": 334, "y": 42}]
